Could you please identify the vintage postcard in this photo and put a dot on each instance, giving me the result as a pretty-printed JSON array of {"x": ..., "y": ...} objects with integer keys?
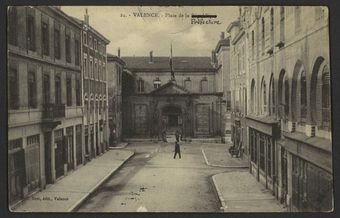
[{"x": 169, "y": 109}]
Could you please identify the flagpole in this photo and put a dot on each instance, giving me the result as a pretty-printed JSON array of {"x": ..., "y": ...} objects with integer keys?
[{"x": 171, "y": 64}]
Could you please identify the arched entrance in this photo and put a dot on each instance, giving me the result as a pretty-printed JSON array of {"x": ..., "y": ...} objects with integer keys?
[{"x": 172, "y": 117}]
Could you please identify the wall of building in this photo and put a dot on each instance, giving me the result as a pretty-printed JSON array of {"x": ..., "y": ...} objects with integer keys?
[
  {"x": 291, "y": 41},
  {"x": 28, "y": 119}
]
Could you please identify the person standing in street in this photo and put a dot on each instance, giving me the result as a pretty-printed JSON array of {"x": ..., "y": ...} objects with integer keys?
[
  {"x": 177, "y": 135},
  {"x": 177, "y": 150}
]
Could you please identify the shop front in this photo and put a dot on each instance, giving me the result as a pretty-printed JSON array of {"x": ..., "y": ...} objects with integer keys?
[{"x": 263, "y": 134}]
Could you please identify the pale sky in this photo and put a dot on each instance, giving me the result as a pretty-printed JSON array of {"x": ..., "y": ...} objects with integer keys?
[{"x": 138, "y": 36}]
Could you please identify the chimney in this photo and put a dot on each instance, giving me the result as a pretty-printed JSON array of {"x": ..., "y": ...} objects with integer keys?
[
  {"x": 151, "y": 58},
  {"x": 119, "y": 52},
  {"x": 222, "y": 35},
  {"x": 86, "y": 17}
]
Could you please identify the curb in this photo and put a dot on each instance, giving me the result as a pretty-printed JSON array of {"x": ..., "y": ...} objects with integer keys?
[
  {"x": 221, "y": 166},
  {"x": 88, "y": 194},
  {"x": 219, "y": 194}
]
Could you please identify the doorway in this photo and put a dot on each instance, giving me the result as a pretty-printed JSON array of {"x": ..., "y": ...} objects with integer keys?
[{"x": 173, "y": 117}]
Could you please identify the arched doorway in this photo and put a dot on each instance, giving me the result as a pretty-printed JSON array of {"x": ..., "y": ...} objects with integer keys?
[{"x": 172, "y": 117}]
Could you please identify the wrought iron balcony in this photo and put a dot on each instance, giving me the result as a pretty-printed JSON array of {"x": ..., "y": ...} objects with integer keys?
[{"x": 53, "y": 111}]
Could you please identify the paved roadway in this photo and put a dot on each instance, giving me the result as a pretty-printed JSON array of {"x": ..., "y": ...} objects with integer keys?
[{"x": 155, "y": 182}]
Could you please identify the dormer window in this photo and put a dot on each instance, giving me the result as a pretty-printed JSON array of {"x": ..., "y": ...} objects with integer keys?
[{"x": 157, "y": 83}]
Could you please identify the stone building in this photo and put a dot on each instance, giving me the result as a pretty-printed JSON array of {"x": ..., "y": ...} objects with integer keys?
[
  {"x": 238, "y": 86},
  {"x": 115, "y": 66},
  {"x": 96, "y": 135},
  {"x": 190, "y": 102},
  {"x": 222, "y": 52},
  {"x": 44, "y": 98},
  {"x": 287, "y": 121}
]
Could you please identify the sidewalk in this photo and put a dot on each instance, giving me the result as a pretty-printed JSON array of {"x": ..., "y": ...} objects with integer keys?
[
  {"x": 69, "y": 192},
  {"x": 217, "y": 155},
  {"x": 240, "y": 192}
]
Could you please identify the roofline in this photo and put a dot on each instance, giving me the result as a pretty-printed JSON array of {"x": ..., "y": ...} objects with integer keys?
[
  {"x": 222, "y": 42},
  {"x": 167, "y": 70},
  {"x": 232, "y": 24},
  {"x": 111, "y": 57},
  {"x": 62, "y": 13},
  {"x": 82, "y": 23}
]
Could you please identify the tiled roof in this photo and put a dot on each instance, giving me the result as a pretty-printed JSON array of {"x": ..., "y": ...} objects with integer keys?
[{"x": 162, "y": 63}]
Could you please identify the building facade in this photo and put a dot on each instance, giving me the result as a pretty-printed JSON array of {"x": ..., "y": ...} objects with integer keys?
[
  {"x": 222, "y": 53},
  {"x": 93, "y": 50},
  {"x": 238, "y": 86},
  {"x": 44, "y": 98},
  {"x": 115, "y": 66},
  {"x": 189, "y": 102},
  {"x": 287, "y": 123}
]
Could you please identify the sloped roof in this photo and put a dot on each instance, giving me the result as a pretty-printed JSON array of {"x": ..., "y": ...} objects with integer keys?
[
  {"x": 139, "y": 63},
  {"x": 169, "y": 88}
]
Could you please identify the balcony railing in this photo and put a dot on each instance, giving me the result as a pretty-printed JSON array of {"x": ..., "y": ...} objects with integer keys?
[{"x": 54, "y": 111}]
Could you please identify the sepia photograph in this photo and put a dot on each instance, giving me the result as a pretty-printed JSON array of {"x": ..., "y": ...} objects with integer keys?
[{"x": 219, "y": 109}]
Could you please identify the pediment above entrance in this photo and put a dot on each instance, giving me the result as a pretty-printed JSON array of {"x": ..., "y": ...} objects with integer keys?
[{"x": 170, "y": 88}]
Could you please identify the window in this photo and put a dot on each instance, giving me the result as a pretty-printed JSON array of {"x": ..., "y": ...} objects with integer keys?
[
  {"x": 253, "y": 99},
  {"x": 46, "y": 88},
  {"x": 12, "y": 26},
  {"x": 253, "y": 145},
  {"x": 204, "y": 85},
  {"x": 303, "y": 97},
  {"x": 104, "y": 72},
  {"x": 100, "y": 71},
  {"x": 78, "y": 92},
  {"x": 30, "y": 32},
  {"x": 45, "y": 39},
  {"x": 252, "y": 44},
  {"x": 32, "y": 90},
  {"x": 264, "y": 96},
  {"x": 282, "y": 23},
  {"x": 85, "y": 66},
  {"x": 269, "y": 157},
  {"x": 326, "y": 101},
  {"x": 95, "y": 44},
  {"x": 76, "y": 51},
  {"x": 56, "y": 43},
  {"x": 90, "y": 41},
  {"x": 262, "y": 153},
  {"x": 33, "y": 140},
  {"x": 85, "y": 38},
  {"x": 263, "y": 33},
  {"x": 156, "y": 83},
  {"x": 69, "y": 91},
  {"x": 297, "y": 18},
  {"x": 286, "y": 97},
  {"x": 96, "y": 76},
  {"x": 272, "y": 19},
  {"x": 68, "y": 48},
  {"x": 91, "y": 68},
  {"x": 57, "y": 89},
  {"x": 140, "y": 85},
  {"x": 13, "y": 95},
  {"x": 271, "y": 96},
  {"x": 187, "y": 84}
]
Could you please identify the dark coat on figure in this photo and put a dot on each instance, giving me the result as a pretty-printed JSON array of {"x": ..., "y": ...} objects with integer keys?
[{"x": 177, "y": 147}]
